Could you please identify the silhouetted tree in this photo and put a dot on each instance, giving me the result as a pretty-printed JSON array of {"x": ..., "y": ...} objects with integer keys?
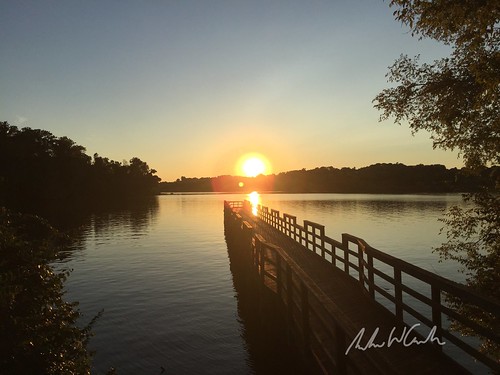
[
  {"x": 39, "y": 172},
  {"x": 38, "y": 331},
  {"x": 455, "y": 98}
]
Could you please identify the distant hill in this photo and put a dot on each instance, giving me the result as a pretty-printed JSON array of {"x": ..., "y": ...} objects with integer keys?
[{"x": 378, "y": 178}]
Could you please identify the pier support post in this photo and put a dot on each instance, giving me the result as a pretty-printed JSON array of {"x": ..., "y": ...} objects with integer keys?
[
  {"x": 398, "y": 295},
  {"x": 436, "y": 313}
]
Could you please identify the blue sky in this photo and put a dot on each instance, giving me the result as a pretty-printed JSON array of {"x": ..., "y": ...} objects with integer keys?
[{"x": 190, "y": 86}]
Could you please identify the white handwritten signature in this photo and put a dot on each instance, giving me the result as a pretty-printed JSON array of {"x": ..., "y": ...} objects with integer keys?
[{"x": 404, "y": 339}]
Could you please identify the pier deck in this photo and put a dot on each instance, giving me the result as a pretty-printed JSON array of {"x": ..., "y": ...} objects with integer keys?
[{"x": 328, "y": 308}]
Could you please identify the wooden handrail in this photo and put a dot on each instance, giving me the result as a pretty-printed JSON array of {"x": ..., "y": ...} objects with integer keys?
[
  {"x": 343, "y": 331},
  {"x": 312, "y": 237}
]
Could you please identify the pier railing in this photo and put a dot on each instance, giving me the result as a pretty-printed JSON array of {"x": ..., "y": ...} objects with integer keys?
[
  {"x": 311, "y": 312},
  {"x": 308, "y": 310},
  {"x": 383, "y": 277}
]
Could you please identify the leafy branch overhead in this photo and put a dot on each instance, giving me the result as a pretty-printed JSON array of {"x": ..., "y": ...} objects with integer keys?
[{"x": 456, "y": 98}]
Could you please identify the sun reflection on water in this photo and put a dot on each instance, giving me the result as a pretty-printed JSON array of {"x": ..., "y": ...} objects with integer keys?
[{"x": 254, "y": 199}]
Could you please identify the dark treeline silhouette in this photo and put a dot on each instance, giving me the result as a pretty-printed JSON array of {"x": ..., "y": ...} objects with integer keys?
[
  {"x": 39, "y": 171},
  {"x": 377, "y": 178},
  {"x": 53, "y": 177}
]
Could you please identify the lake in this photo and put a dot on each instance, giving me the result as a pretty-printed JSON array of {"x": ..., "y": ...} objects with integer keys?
[{"x": 162, "y": 274}]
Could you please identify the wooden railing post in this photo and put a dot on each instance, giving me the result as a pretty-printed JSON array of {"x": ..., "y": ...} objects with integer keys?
[
  {"x": 247, "y": 234},
  {"x": 256, "y": 252},
  {"x": 398, "y": 295},
  {"x": 436, "y": 312},
  {"x": 275, "y": 216},
  {"x": 345, "y": 245},
  {"x": 305, "y": 225},
  {"x": 293, "y": 231},
  {"x": 321, "y": 237},
  {"x": 322, "y": 234},
  {"x": 262, "y": 264},
  {"x": 361, "y": 266},
  {"x": 371, "y": 281}
]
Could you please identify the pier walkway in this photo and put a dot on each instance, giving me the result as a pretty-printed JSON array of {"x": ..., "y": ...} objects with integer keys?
[{"x": 331, "y": 291}]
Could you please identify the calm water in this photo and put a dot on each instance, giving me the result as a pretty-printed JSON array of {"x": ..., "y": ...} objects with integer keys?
[
  {"x": 161, "y": 272},
  {"x": 405, "y": 226}
]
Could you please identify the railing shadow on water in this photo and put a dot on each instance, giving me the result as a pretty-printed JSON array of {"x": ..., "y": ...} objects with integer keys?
[
  {"x": 271, "y": 347},
  {"x": 394, "y": 283}
]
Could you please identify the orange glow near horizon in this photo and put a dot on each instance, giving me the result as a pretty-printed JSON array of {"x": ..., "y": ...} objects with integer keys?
[{"x": 252, "y": 165}]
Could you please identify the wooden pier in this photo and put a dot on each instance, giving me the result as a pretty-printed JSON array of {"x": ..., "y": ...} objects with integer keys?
[{"x": 335, "y": 295}]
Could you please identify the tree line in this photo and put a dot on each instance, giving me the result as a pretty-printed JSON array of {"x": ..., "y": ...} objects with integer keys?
[
  {"x": 52, "y": 177},
  {"x": 48, "y": 175},
  {"x": 39, "y": 170},
  {"x": 377, "y": 178}
]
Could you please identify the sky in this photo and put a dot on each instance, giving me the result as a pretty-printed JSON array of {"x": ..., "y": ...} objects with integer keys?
[{"x": 191, "y": 86}]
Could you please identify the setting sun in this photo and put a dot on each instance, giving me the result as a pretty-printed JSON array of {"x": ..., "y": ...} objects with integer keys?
[{"x": 252, "y": 165}]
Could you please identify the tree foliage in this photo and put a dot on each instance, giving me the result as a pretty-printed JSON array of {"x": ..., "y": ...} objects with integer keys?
[
  {"x": 457, "y": 99},
  {"x": 473, "y": 241},
  {"x": 378, "y": 178},
  {"x": 39, "y": 170},
  {"x": 38, "y": 331}
]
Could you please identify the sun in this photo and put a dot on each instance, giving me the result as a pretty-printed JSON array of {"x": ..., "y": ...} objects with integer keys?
[{"x": 252, "y": 165}]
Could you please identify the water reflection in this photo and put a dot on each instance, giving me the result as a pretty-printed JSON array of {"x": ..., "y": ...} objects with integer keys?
[
  {"x": 160, "y": 271},
  {"x": 255, "y": 201},
  {"x": 137, "y": 217},
  {"x": 270, "y": 348}
]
